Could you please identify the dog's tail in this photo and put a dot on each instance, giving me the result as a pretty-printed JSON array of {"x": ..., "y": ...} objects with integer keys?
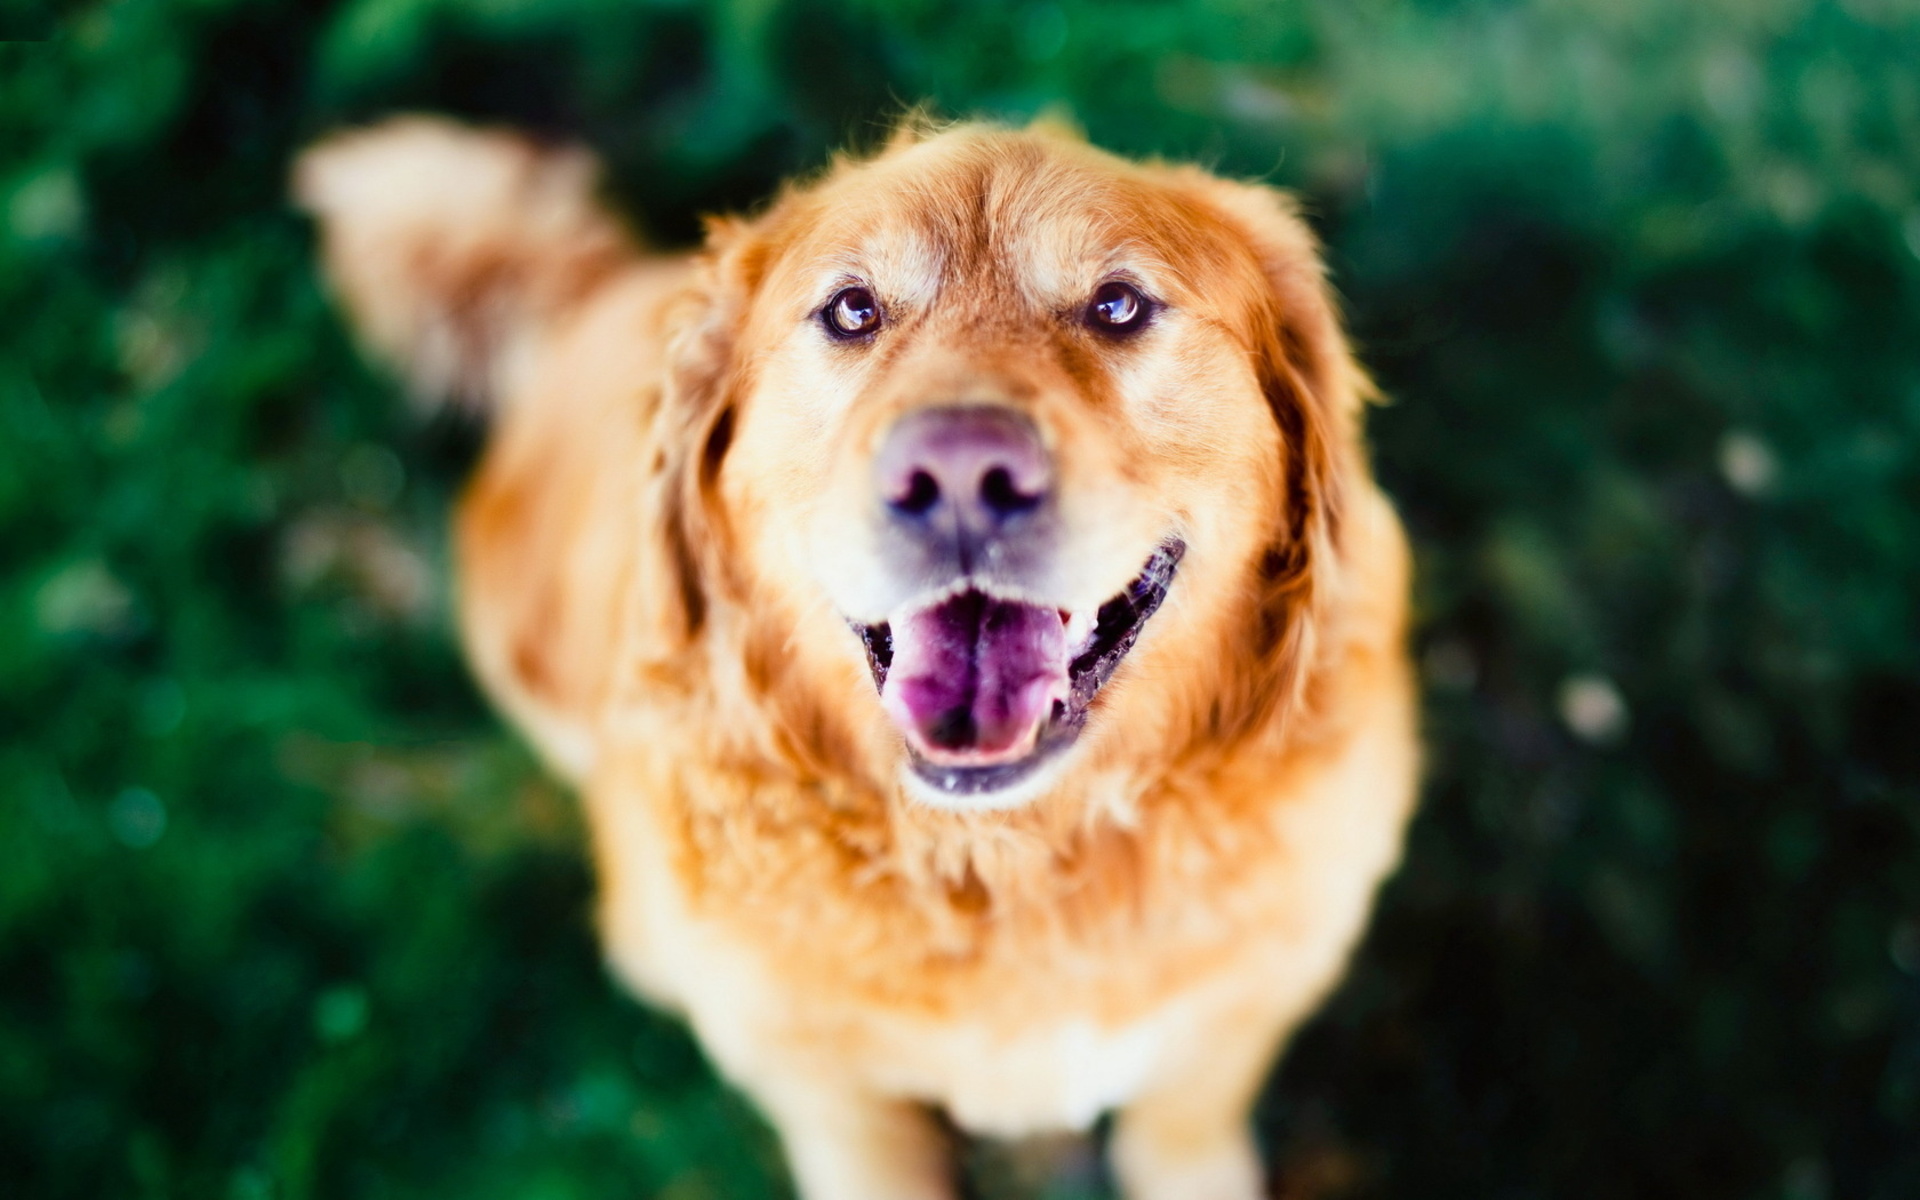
[{"x": 455, "y": 250}]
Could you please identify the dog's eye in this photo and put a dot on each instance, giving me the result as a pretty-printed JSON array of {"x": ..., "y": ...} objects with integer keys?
[
  {"x": 1117, "y": 308},
  {"x": 852, "y": 313}
]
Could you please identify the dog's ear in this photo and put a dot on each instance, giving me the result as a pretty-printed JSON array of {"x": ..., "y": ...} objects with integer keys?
[
  {"x": 453, "y": 249},
  {"x": 1316, "y": 391},
  {"x": 694, "y": 425}
]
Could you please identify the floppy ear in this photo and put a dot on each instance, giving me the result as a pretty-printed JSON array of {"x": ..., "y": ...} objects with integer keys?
[
  {"x": 692, "y": 431},
  {"x": 589, "y": 544},
  {"x": 1316, "y": 391}
]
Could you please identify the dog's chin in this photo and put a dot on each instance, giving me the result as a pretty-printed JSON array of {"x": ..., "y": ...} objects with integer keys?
[
  {"x": 975, "y": 789},
  {"x": 990, "y": 692}
]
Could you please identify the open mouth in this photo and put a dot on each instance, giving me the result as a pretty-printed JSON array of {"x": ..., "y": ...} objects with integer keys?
[{"x": 986, "y": 688}]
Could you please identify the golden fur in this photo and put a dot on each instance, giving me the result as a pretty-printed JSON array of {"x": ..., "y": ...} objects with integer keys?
[{"x": 661, "y": 551}]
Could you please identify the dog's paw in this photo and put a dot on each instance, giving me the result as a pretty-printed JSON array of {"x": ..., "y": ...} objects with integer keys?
[{"x": 1225, "y": 1170}]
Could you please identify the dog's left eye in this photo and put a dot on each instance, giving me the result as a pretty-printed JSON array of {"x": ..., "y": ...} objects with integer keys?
[
  {"x": 852, "y": 313},
  {"x": 1118, "y": 308}
]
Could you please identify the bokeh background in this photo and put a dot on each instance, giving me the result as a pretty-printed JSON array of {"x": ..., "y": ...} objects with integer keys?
[{"x": 285, "y": 913}]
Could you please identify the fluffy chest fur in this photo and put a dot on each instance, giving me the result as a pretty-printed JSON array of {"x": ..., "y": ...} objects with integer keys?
[{"x": 1024, "y": 976}]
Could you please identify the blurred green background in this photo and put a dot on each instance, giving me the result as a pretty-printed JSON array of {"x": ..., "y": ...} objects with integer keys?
[{"x": 285, "y": 913}]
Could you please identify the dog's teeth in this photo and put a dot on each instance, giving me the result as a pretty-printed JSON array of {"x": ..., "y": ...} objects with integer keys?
[{"x": 1079, "y": 633}]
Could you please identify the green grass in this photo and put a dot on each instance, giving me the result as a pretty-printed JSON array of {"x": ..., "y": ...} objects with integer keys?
[{"x": 285, "y": 913}]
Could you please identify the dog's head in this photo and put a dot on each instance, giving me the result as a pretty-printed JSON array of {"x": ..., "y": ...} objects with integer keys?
[{"x": 994, "y": 454}]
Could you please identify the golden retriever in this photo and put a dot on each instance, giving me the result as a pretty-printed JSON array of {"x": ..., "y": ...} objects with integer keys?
[{"x": 961, "y": 597}]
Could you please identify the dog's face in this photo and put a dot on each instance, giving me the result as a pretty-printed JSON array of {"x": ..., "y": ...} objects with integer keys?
[{"x": 1032, "y": 431}]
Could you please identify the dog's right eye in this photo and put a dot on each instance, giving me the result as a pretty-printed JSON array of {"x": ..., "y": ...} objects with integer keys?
[
  {"x": 1118, "y": 309},
  {"x": 852, "y": 313}
]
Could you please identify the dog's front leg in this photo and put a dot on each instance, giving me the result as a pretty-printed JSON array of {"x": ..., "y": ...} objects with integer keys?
[
  {"x": 1190, "y": 1136},
  {"x": 846, "y": 1144}
]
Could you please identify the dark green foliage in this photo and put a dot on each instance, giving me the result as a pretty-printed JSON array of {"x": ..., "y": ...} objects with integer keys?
[{"x": 283, "y": 912}]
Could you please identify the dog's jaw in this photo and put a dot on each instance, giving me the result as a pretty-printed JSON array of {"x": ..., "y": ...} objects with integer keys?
[{"x": 989, "y": 693}]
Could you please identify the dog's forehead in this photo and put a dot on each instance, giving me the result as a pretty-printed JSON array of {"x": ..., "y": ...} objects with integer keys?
[{"x": 1015, "y": 215}]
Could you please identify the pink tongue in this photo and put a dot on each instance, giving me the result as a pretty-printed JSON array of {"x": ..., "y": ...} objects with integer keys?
[{"x": 973, "y": 678}]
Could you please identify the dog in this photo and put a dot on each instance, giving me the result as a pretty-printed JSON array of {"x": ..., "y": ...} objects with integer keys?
[{"x": 961, "y": 598}]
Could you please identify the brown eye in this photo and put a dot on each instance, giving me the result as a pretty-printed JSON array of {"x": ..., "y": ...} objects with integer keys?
[
  {"x": 1117, "y": 308},
  {"x": 852, "y": 313}
]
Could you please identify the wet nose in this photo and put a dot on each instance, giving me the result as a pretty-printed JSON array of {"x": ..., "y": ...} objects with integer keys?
[{"x": 965, "y": 470}]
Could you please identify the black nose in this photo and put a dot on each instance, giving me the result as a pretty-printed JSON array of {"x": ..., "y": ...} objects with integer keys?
[{"x": 971, "y": 471}]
